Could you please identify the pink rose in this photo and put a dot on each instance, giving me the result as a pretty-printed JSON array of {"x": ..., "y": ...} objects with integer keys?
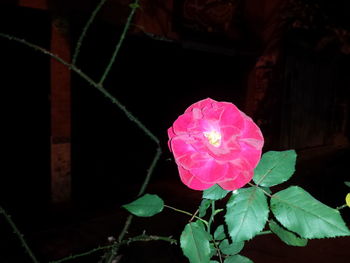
[{"x": 215, "y": 143}]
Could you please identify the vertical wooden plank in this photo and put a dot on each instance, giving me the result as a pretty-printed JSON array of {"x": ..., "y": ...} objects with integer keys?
[
  {"x": 60, "y": 114},
  {"x": 39, "y": 4}
]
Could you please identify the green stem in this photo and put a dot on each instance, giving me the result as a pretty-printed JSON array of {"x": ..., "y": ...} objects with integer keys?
[
  {"x": 18, "y": 234},
  {"x": 264, "y": 233},
  {"x": 187, "y": 213},
  {"x": 341, "y": 207},
  {"x": 99, "y": 87},
  {"x": 85, "y": 29},
  {"x": 140, "y": 238},
  {"x": 211, "y": 219},
  {"x": 71, "y": 257},
  {"x": 133, "y": 6}
]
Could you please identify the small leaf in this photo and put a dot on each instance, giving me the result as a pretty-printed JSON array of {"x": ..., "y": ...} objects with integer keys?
[
  {"x": 146, "y": 206},
  {"x": 286, "y": 236},
  {"x": 231, "y": 249},
  {"x": 301, "y": 213},
  {"x": 275, "y": 168},
  {"x": 203, "y": 207},
  {"x": 195, "y": 243},
  {"x": 215, "y": 193},
  {"x": 347, "y": 183},
  {"x": 219, "y": 233},
  {"x": 246, "y": 213},
  {"x": 237, "y": 259},
  {"x": 347, "y": 199}
]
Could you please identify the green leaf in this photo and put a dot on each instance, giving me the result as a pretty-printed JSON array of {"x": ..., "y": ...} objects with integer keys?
[
  {"x": 215, "y": 193},
  {"x": 219, "y": 233},
  {"x": 195, "y": 243},
  {"x": 231, "y": 249},
  {"x": 237, "y": 259},
  {"x": 301, "y": 213},
  {"x": 246, "y": 214},
  {"x": 347, "y": 183},
  {"x": 145, "y": 206},
  {"x": 286, "y": 236},
  {"x": 275, "y": 168},
  {"x": 203, "y": 207}
]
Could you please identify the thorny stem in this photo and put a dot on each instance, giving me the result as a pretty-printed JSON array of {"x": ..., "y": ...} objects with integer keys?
[
  {"x": 133, "y": 6},
  {"x": 218, "y": 250},
  {"x": 18, "y": 234},
  {"x": 142, "y": 190},
  {"x": 85, "y": 29},
  {"x": 100, "y": 87},
  {"x": 140, "y": 238},
  {"x": 71, "y": 257},
  {"x": 187, "y": 213}
]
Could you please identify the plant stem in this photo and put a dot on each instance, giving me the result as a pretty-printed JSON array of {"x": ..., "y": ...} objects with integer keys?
[
  {"x": 18, "y": 234},
  {"x": 264, "y": 233},
  {"x": 99, "y": 87},
  {"x": 211, "y": 219},
  {"x": 85, "y": 29},
  {"x": 186, "y": 213},
  {"x": 341, "y": 207},
  {"x": 71, "y": 257},
  {"x": 133, "y": 6}
]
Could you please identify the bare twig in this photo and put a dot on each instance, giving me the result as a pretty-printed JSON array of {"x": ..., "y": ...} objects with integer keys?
[
  {"x": 85, "y": 29},
  {"x": 18, "y": 234},
  {"x": 133, "y": 7}
]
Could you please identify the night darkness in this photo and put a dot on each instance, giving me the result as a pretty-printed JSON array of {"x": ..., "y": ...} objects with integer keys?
[{"x": 300, "y": 99}]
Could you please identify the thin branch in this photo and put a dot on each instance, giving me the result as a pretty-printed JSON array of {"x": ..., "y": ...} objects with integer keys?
[
  {"x": 141, "y": 192},
  {"x": 85, "y": 29},
  {"x": 72, "y": 67},
  {"x": 186, "y": 213},
  {"x": 133, "y": 7},
  {"x": 140, "y": 238},
  {"x": 150, "y": 172},
  {"x": 18, "y": 234},
  {"x": 146, "y": 238},
  {"x": 264, "y": 233},
  {"x": 75, "y": 256},
  {"x": 341, "y": 207}
]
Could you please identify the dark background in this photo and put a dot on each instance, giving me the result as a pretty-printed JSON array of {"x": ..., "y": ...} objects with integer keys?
[{"x": 156, "y": 80}]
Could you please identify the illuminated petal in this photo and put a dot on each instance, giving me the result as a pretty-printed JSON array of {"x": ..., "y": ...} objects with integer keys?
[
  {"x": 191, "y": 181},
  {"x": 210, "y": 171}
]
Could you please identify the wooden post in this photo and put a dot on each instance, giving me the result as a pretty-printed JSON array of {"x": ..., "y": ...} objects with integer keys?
[
  {"x": 38, "y": 4},
  {"x": 60, "y": 114}
]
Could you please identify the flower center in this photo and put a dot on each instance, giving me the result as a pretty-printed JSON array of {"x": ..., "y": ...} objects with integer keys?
[{"x": 214, "y": 138}]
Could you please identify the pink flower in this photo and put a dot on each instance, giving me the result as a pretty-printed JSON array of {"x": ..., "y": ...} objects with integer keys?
[{"x": 215, "y": 143}]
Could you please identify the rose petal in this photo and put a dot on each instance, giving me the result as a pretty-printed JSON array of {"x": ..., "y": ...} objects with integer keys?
[
  {"x": 191, "y": 181},
  {"x": 200, "y": 104},
  {"x": 182, "y": 123},
  {"x": 232, "y": 116},
  {"x": 241, "y": 180},
  {"x": 211, "y": 171}
]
